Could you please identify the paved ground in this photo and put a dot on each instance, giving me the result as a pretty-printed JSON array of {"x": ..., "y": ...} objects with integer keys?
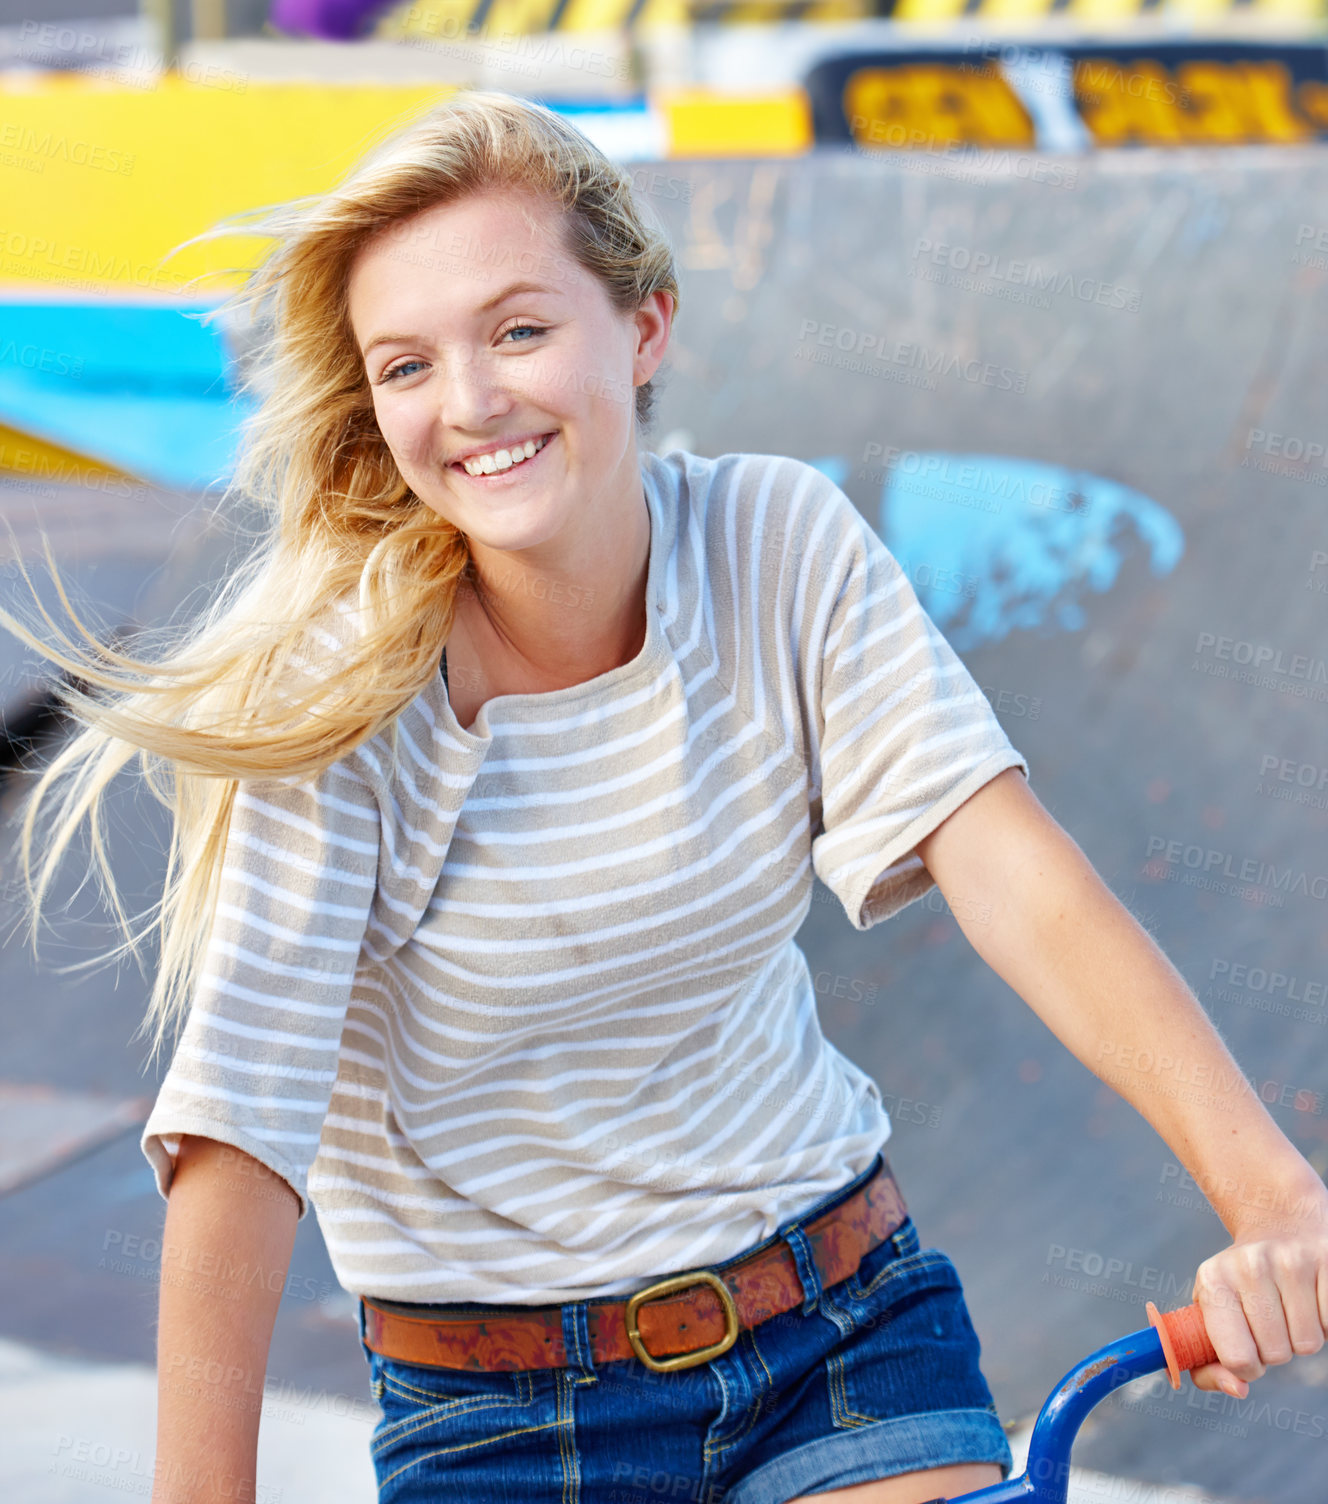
[{"x": 1015, "y": 1158}]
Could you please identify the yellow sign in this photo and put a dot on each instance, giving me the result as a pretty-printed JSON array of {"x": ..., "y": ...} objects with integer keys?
[
  {"x": 1206, "y": 103},
  {"x": 932, "y": 106}
]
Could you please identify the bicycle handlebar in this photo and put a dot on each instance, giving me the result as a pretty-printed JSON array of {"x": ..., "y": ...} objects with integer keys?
[
  {"x": 1176, "y": 1340},
  {"x": 1184, "y": 1339}
]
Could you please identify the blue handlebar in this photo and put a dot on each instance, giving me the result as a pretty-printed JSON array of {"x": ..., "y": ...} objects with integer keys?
[{"x": 1046, "y": 1476}]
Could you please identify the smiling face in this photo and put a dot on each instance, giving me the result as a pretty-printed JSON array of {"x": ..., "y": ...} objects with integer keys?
[{"x": 480, "y": 333}]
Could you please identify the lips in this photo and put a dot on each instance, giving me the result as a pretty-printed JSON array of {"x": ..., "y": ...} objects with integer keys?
[{"x": 544, "y": 441}]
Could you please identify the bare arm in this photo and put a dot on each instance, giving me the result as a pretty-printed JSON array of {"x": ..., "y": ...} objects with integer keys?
[
  {"x": 230, "y": 1227},
  {"x": 1090, "y": 971}
]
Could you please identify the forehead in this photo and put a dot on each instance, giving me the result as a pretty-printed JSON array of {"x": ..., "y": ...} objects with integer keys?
[{"x": 462, "y": 253}]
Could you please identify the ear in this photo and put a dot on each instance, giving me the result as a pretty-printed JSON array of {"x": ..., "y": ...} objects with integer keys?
[{"x": 654, "y": 323}]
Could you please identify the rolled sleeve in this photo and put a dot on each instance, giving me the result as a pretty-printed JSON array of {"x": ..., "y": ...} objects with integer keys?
[
  {"x": 902, "y": 734},
  {"x": 258, "y": 1055}
]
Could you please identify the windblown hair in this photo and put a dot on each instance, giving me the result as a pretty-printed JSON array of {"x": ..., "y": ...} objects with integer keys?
[{"x": 228, "y": 699}]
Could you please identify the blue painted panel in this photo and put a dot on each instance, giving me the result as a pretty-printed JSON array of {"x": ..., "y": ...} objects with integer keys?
[{"x": 146, "y": 388}]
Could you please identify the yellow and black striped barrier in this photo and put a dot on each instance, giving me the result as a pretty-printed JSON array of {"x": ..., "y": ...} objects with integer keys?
[
  {"x": 1104, "y": 14},
  {"x": 419, "y": 20}
]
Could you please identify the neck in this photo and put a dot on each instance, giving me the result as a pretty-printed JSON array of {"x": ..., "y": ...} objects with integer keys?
[{"x": 538, "y": 628}]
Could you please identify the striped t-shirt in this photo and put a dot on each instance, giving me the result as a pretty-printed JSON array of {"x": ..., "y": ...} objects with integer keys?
[{"x": 520, "y": 1007}]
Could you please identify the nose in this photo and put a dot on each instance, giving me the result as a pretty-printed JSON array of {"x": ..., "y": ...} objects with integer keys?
[{"x": 473, "y": 391}]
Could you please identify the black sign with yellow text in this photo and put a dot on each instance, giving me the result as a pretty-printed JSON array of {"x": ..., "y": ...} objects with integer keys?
[{"x": 1073, "y": 96}]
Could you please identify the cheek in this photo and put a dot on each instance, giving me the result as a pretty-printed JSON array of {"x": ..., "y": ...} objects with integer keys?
[
  {"x": 575, "y": 375},
  {"x": 609, "y": 380},
  {"x": 406, "y": 432}
]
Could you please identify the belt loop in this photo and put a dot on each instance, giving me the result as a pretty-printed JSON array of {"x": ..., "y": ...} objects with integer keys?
[
  {"x": 576, "y": 1337},
  {"x": 808, "y": 1273}
]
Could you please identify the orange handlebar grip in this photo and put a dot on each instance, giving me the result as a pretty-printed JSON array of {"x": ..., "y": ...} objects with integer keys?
[{"x": 1184, "y": 1339}]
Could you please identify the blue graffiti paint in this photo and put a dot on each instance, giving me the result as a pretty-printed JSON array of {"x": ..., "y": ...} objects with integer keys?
[{"x": 991, "y": 543}]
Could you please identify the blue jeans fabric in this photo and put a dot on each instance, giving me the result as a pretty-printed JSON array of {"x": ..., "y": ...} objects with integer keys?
[{"x": 876, "y": 1375}]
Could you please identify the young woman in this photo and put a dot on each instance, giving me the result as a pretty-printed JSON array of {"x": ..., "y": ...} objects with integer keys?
[{"x": 488, "y": 953}]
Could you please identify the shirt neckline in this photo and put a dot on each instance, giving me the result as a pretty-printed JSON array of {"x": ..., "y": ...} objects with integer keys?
[{"x": 539, "y": 705}]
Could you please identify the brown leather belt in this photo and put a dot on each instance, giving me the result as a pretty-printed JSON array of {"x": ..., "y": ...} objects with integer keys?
[{"x": 697, "y": 1325}]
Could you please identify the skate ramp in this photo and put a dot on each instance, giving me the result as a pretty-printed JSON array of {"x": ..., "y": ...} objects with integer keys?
[{"x": 1080, "y": 399}]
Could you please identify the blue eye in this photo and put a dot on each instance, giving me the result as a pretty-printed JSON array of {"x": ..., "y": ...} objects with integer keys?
[{"x": 394, "y": 371}]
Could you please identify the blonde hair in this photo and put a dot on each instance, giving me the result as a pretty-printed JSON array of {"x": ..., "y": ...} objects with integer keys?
[{"x": 227, "y": 699}]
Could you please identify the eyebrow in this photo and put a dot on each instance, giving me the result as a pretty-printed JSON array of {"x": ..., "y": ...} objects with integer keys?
[{"x": 491, "y": 303}]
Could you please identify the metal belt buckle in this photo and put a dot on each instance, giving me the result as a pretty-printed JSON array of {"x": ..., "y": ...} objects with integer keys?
[{"x": 702, "y": 1355}]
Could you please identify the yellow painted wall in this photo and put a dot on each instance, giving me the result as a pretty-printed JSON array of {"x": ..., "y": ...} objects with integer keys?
[
  {"x": 99, "y": 181},
  {"x": 705, "y": 124}
]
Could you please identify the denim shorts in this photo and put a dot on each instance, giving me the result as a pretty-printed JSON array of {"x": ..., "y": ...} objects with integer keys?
[{"x": 870, "y": 1377}]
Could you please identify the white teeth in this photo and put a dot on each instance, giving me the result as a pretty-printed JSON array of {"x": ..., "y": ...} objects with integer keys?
[{"x": 503, "y": 459}]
